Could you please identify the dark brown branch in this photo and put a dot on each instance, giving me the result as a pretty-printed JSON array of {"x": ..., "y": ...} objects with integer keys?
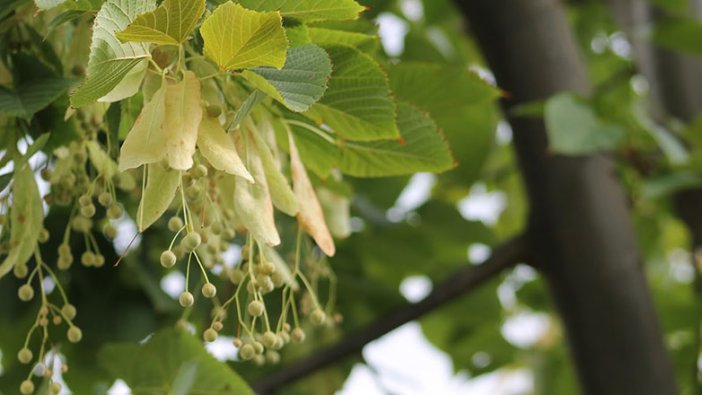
[{"x": 464, "y": 281}]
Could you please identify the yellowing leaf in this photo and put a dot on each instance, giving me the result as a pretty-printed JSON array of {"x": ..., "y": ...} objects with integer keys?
[
  {"x": 309, "y": 10},
  {"x": 311, "y": 217},
  {"x": 161, "y": 186},
  {"x": 219, "y": 149},
  {"x": 283, "y": 196},
  {"x": 253, "y": 206},
  {"x": 237, "y": 38},
  {"x": 26, "y": 216},
  {"x": 146, "y": 141},
  {"x": 169, "y": 24},
  {"x": 182, "y": 120}
]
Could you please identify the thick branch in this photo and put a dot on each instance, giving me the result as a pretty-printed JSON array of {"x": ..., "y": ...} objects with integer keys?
[
  {"x": 464, "y": 281},
  {"x": 580, "y": 229}
]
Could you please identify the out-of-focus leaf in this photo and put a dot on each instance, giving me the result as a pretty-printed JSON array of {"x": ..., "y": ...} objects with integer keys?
[{"x": 157, "y": 364}]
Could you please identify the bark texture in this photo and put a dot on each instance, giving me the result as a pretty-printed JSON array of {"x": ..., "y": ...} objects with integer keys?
[{"x": 580, "y": 232}]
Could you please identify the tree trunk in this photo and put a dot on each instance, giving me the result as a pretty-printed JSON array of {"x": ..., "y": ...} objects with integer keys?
[
  {"x": 676, "y": 89},
  {"x": 580, "y": 232}
]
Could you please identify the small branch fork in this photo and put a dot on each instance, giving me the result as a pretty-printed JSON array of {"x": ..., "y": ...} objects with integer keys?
[{"x": 462, "y": 282}]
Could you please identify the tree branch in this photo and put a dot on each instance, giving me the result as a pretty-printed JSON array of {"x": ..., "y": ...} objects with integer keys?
[{"x": 462, "y": 282}]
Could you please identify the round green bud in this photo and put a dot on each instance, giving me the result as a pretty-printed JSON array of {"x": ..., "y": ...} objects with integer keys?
[
  {"x": 115, "y": 211},
  {"x": 87, "y": 258},
  {"x": 216, "y": 228},
  {"x": 199, "y": 171},
  {"x": 105, "y": 199},
  {"x": 269, "y": 339},
  {"x": 255, "y": 308},
  {"x": 25, "y": 355},
  {"x": 25, "y": 293},
  {"x": 74, "y": 334},
  {"x": 186, "y": 299},
  {"x": 267, "y": 268},
  {"x": 258, "y": 346},
  {"x": 43, "y": 235},
  {"x": 278, "y": 279},
  {"x": 214, "y": 110},
  {"x": 247, "y": 352},
  {"x": 237, "y": 342},
  {"x": 109, "y": 231},
  {"x": 217, "y": 325},
  {"x": 192, "y": 241},
  {"x": 65, "y": 262},
  {"x": 168, "y": 259},
  {"x": 45, "y": 174},
  {"x": 259, "y": 360},
  {"x": 236, "y": 276},
  {"x": 27, "y": 387},
  {"x": 55, "y": 387},
  {"x": 284, "y": 336},
  {"x": 99, "y": 260},
  {"x": 298, "y": 335},
  {"x": 43, "y": 322},
  {"x": 209, "y": 290},
  {"x": 229, "y": 233},
  {"x": 318, "y": 317},
  {"x": 272, "y": 357},
  {"x": 85, "y": 200},
  {"x": 64, "y": 249},
  {"x": 56, "y": 320},
  {"x": 69, "y": 311},
  {"x": 210, "y": 335},
  {"x": 88, "y": 211},
  {"x": 20, "y": 271},
  {"x": 175, "y": 224}
]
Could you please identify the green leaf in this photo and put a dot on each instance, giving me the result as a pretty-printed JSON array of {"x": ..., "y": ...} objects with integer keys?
[
  {"x": 254, "y": 98},
  {"x": 329, "y": 37},
  {"x": 185, "y": 379},
  {"x": 237, "y": 38},
  {"x": 110, "y": 60},
  {"x": 26, "y": 217},
  {"x": 671, "y": 146},
  {"x": 358, "y": 104},
  {"x": 37, "y": 145},
  {"x": 435, "y": 87},
  {"x": 300, "y": 83},
  {"x": 574, "y": 129},
  {"x": 161, "y": 186},
  {"x": 154, "y": 366},
  {"x": 169, "y": 24},
  {"x": 318, "y": 151},
  {"x": 421, "y": 149},
  {"x": 460, "y": 102},
  {"x": 309, "y": 10},
  {"x": 32, "y": 96}
]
